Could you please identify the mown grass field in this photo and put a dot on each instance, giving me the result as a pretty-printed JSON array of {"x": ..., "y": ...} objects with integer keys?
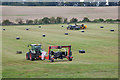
[{"x": 99, "y": 61}]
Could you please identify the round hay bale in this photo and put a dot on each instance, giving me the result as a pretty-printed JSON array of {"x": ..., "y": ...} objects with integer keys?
[
  {"x": 66, "y": 33},
  {"x": 81, "y": 51},
  {"x": 18, "y": 52},
  {"x": 101, "y": 27},
  {"x": 112, "y": 30},
  {"x": 27, "y": 29},
  {"x": 44, "y": 35},
  {"x": 17, "y": 38},
  {"x": 82, "y": 31},
  {"x": 62, "y": 26},
  {"x": 39, "y": 27},
  {"x": 3, "y": 29}
]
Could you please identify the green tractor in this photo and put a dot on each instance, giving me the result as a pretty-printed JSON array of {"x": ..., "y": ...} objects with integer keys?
[{"x": 34, "y": 52}]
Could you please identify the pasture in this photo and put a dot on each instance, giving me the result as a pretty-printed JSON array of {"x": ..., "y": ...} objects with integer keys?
[{"x": 99, "y": 61}]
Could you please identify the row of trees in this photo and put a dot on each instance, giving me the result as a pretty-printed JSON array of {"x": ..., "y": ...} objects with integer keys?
[
  {"x": 60, "y": 3},
  {"x": 56, "y": 20}
]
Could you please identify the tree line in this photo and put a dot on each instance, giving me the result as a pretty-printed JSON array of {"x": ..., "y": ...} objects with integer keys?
[
  {"x": 57, "y": 20},
  {"x": 60, "y": 3}
]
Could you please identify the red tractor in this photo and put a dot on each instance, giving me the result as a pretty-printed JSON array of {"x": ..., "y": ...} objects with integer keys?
[{"x": 37, "y": 53}]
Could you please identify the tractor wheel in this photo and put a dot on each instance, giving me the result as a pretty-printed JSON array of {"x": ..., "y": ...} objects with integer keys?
[
  {"x": 27, "y": 57},
  {"x": 40, "y": 58},
  {"x": 70, "y": 59},
  {"x": 31, "y": 57},
  {"x": 52, "y": 60}
]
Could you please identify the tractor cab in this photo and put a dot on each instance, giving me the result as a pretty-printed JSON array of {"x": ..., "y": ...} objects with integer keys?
[
  {"x": 35, "y": 48},
  {"x": 34, "y": 51}
]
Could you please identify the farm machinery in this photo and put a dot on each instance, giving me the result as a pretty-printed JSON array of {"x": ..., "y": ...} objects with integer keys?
[
  {"x": 76, "y": 27},
  {"x": 37, "y": 53}
]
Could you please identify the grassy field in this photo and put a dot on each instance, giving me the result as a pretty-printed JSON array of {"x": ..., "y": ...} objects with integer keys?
[{"x": 99, "y": 61}]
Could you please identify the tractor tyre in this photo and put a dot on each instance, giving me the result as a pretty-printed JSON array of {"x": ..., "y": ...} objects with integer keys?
[
  {"x": 27, "y": 57},
  {"x": 31, "y": 57},
  {"x": 52, "y": 60},
  {"x": 40, "y": 59},
  {"x": 70, "y": 59}
]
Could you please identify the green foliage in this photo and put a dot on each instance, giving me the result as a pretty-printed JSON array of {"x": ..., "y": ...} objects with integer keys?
[
  {"x": 6, "y": 22},
  {"x": 118, "y": 20},
  {"x": 85, "y": 19},
  {"x": 46, "y": 20},
  {"x": 40, "y": 21},
  {"x": 59, "y": 20},
  {"x": 52, "y": 20},
  {"x": 74, "y": 20},
  {"x": 29, "y": 22},
  {"x": 65, "y": 20},
  {"x": 101, "y": 20},
  {"x": 36, "y": 21},
  {"x": 109, "y": 20},
  {"x": 58, "y": 3},
  {"x": 98, "y": 20}
]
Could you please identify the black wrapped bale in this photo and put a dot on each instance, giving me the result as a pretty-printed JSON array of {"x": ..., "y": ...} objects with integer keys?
[
  {"x": 62, "y": 26},
  {"x": 82, "y": 31},
  {"x": 43, "y": 35},
  {"x": 27, "y": 29},
  {"x": 112, "y": 30},
  {"x": 66, "y": 33},
  {"x": 101, "y": 27},
  {"x": 81, "y": 51},
  {"x": 17, "y": 38},
  {"x": 39, "y": 26},
  {"x": 3, "y": 29},
  {"x": 18, "y": 52}
]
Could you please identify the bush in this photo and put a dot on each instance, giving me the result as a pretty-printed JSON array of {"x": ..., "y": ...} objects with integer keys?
[
  {"x": 85, "y": 19},
  {"x": 40, "y": 21},
  {"x": 118, "y": 20},
  {"x": 74, "y": 20},
  {"x": 52, "y": 20},
  {"x": 6, "y": 22},
  {"x": 36, "y": 21},
  {"x": 65, "y": 20},
  {"x": 46, "y": 20},
  {"x": 29, "y": 22},
  {"x": 98, "y": 20},
  {"x": 109, "y": 20},
  {"x": 59, "y": 20}
]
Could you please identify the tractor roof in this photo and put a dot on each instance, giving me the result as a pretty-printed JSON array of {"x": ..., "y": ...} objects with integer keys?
[{"x": 35, "y": 45}]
